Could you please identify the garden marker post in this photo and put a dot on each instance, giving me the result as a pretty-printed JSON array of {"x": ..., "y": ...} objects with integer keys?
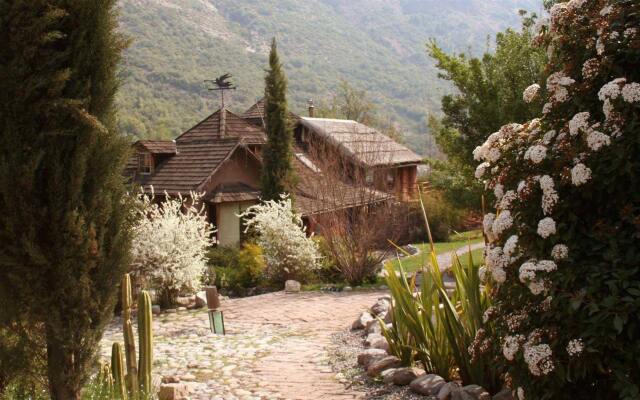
[{"x": 216, "y": 317}]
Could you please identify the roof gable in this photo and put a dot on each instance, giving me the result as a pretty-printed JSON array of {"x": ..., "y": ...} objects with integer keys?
[
  {"x": 234, "y": 127},
  {"x": 157, "y": 146}
]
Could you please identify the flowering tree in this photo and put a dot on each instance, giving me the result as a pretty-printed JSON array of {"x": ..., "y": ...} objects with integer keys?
[
  {"x": 288, "y": 252},
  {"x": 170, "y": 243},
  {"x": 563, "y": 244}
]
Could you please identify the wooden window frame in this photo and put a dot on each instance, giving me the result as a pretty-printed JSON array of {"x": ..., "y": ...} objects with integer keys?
[{"x": 145, "y": 163}]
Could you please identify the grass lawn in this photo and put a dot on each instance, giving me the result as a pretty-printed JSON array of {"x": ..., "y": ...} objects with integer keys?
[{"x": 457, "y": 241}]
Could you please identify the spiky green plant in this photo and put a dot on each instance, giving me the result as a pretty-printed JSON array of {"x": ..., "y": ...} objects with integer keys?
[
  {"x": 129, "y": 341},
  {"x": 145, "y": 342},
  {"x": 117, "y": 369}
]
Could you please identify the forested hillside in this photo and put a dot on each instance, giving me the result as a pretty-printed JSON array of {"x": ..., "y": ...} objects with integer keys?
[{"x": 377, "y": 45}]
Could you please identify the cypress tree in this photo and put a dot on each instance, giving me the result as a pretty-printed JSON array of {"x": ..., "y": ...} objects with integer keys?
[
  {"x": 277, "y": 173},
  {"x": 64, "y": 214}
]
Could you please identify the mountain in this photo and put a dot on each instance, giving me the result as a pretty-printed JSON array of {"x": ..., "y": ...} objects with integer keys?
[{"x": 377, "y": 45}]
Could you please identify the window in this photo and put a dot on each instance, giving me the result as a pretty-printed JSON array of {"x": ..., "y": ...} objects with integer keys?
[
  {"x": 368, "y": 177},
  {"x": 145, "y": 163},
  {"x": 391, "y": 177}
]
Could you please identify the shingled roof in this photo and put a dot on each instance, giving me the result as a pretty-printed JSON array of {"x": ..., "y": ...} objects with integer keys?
[
  {"x": 255, "y": 114},
  {"x": 197, "y": 158},
  {"x": 232, "y": 192},
  {"x": 158, "y": 146},
  {"x": 361, "y": 143},
  {"x": 234, "y": 127}
]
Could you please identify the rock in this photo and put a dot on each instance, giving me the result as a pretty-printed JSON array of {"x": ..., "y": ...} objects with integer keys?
[
  {"x": 367, "y": 356},
  {"x": 184, "y": 301},
  {"x": 173, "y": 391},
  {"x": 428, "y": 385},
  {"x": 445, "y": 391},
  {"x": 381, "y": 364},
  {"x": 347, "y": 289},
  {"x": 181, "y": 309},
  {"x": 170, "y": 311},
  {"x": 404, "y": 376},
  {"x": 188, "y": 377},
  {"x": 388, "y": 317},
  {"x": 460, "y": 394},
  {"x": 201, "y": 299},
  {"x": 155, "y": 309},
  {"x": 362, "y": 321},
  {"x": 504, "y": 394},
  {"x": 477, "y": 392},
  {"x": 373, "y": 327},
  {"x": 384, "y": 287},
  {"x": 170, "y": 379},
  {"x": 291, "y": 286},
  {"x": 387, "y": 375},
  {"x": 382, "y": 306},
  {"x": 376, "y": 341}
]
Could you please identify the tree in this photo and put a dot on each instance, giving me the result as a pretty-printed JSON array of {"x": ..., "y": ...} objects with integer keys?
[
  {"x": 63, "y": 209},
  {"x": 563, "y": 252},
  {"x": 278, "y": 176},
  {"x": 170, "y": 245},
  {"x": 489, "y": 94},
  {"x": 288, "y": 252}
]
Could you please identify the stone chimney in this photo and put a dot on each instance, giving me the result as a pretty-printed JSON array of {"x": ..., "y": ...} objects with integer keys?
[{"x": 312, "y": 109}]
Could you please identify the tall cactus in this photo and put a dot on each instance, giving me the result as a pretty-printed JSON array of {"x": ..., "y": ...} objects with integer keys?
[
  {"x": 117, "y": 370},
  {"x": 129, "y": 340},
  {"x": 145, "y": 342}
]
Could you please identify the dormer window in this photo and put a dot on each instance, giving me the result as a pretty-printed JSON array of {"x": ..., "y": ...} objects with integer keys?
[{"x": 145, "y": 163}]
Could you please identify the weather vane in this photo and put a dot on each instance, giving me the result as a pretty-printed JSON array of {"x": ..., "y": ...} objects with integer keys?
[{"x": 221, "y": 84}]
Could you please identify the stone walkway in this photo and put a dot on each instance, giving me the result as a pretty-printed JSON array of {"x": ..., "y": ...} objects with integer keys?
[{"x": 275, "y": 347}]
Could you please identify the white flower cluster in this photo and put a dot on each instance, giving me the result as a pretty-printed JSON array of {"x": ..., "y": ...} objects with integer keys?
[
  {"x": 575, "y": 347},
  {"x": 536, "y": 153},
  {"x": 170, "y": 242},
  {"x": 511, "y": 346},
  {"x": 560, "y": 252},
  {"x": 549, "y": 195},
  {"x": 530, "y": 93},
  {"x": 496, "y": 262},
  {"x": 590, "y": 68},
  {"x": 546, "y": 227},
  {"x": 579, "y": 122},
  {"x": 557, "y": 84},
  {"x": 510, "y": 248},
  {"x": 612, "y": 89},
  {"x": 507, "y": 200},
  {"x": 631, "y": 92},
  {"x": 538, "y": 358},
  {"x": 502, "y": 222},
  {"x": 487, "y": 225},
  {"x": 515, "y": 320},
  {"x": 596, "y": 140},
  {"x": 528, "y": 274},
  {"x": 580, "y": 174},
  {"x": 288, "y": 252}
]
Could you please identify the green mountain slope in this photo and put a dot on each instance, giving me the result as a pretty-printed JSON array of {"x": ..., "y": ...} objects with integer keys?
[{"x": 377, "y": 45}]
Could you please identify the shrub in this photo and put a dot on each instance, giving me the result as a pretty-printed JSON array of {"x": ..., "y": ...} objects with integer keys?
[
  {"x": 234, "y": 269},
  {"x": 444, "y": 218},
  {"x": 170, "y": 243},
  {"x": 564, "y": 244},
  {"x": 288, "y": 252}
]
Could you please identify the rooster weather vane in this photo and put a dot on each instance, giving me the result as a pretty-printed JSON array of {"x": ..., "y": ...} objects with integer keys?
[{"x": 221, "y": 84}]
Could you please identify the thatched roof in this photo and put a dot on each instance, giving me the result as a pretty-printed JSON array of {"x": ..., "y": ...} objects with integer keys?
[{"x": 361, "y": 143}]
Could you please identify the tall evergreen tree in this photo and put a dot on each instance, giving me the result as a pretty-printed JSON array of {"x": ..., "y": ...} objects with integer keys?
[
  {"x": 64, "y": 224},
  {"x": 277, "y": 171}
]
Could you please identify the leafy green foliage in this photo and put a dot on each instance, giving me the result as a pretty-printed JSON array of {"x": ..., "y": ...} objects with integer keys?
[
  {"x": 236, "y": 269},
  {"x": 63, "y": 211},
  {"x": 489, "y": 94},
  {"x": 278, "y": 176}
]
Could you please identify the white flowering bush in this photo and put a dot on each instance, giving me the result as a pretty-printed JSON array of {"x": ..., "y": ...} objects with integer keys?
[
  {"x": 171, "y": 239},
  {"x": 563, "y": 253},
  {"x": 287, "y": 251}
]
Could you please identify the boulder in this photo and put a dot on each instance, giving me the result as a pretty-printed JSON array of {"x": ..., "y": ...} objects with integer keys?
[
  {"x": 383, "y": 363},
  {"x": 155, "y": 309},
  {"x": 404, "y": 376},
  {"x": 184, "y": 301},
  {"x": 291, "y": 286},
  {"x": 373, "y": 326},
  {"x": 367, "y": 356},
  {"x": 504, "y": 394},
  {"x": 170, "y": 311},
  {"x": 428, "y": 385},
  {"x": 362, "y": 321},
  {"x": 387, "y": 375},
  {"x": 170, "y": 379},
  {"x": 460, "y": 394},
  {"x": 376, "y": 341},
  {"x": 477, "y": 392},
  {"x": 201, "y": 299},
  {"x": 445, "y": 391},
  {"x": 382, "y": 306},
  {"x": 173, "y": 391},
  {"x": 347, "y": 289}
]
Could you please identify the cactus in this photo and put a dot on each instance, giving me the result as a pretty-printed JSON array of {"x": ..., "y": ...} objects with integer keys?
[
  {"x": 117, "y": 370},
  {"x": 104, "y": 383},
  {"x": 129, "y": 341},
  {"x": 145, "y": 342}
]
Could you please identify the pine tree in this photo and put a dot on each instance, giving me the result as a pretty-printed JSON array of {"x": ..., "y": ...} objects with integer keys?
[
  {"x": 64, "y": 215},
  {"x": 277, "y": 172}
]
